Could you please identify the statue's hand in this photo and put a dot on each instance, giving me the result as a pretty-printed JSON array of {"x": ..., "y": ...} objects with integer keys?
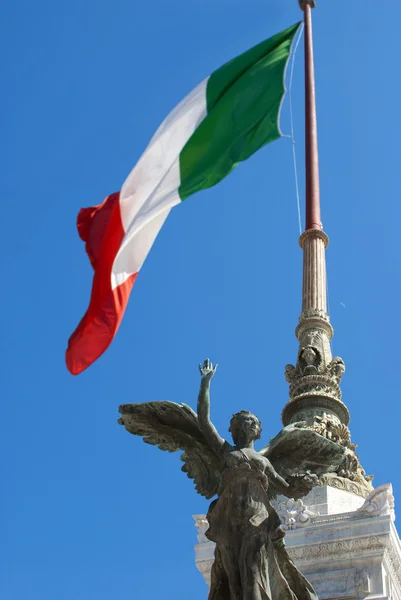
[
  {"x": 301, "y": 484},
  {"x": 207, "y": 371}
]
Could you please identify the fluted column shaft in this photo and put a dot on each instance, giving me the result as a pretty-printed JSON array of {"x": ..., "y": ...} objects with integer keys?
[{"x": 314, "y": 242}]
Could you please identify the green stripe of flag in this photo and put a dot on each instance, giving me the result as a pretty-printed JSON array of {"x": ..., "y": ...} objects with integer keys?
[{"x": 243, "y": 99}]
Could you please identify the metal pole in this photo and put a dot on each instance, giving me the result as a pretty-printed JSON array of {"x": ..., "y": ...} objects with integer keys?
[{"x": 311, "y": 146}]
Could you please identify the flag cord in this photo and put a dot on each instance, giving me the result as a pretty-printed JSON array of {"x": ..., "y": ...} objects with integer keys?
[{"x": 292, "y": 136}]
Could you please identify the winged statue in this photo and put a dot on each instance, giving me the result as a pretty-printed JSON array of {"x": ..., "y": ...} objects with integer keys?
[{"x": 251, "y": 561}]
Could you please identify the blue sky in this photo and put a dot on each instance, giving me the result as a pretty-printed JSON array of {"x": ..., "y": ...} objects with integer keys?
[{"x": 89, "y": 511}]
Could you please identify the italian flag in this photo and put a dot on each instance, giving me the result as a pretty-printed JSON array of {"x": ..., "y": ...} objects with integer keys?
[{"x": 224, "y": 120}]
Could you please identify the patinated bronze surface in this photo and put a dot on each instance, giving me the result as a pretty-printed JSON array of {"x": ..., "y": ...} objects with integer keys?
[{"x": 251, "y": 562}]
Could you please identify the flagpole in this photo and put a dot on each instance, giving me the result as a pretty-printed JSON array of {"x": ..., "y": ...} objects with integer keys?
[{"x": 313, "y": 220}]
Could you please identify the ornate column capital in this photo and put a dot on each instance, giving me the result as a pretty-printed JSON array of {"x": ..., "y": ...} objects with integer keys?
[{"x": 314, "y": 233}]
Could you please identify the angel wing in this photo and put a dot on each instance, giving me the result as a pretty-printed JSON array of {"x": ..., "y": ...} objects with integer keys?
[
  {"x": 173, "y": 427},
  {"x": 297, "y": 449}
]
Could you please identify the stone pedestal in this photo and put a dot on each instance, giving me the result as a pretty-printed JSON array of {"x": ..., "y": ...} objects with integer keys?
[{"x": 346, "y": 546}]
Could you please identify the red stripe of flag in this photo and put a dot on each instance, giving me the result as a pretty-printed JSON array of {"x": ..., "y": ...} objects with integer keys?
[{"x": 100, "y": 227}]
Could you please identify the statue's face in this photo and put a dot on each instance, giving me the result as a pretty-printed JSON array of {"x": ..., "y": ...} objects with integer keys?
[
  {"x": 309, "y": 356},
  {"x": 249, "y": 424},
  {"x": 245, "y": 426}
]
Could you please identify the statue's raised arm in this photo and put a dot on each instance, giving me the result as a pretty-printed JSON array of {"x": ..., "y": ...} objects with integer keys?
[
  {"x": 173, "y": 427},
  {"x": 215, "y": 441}
]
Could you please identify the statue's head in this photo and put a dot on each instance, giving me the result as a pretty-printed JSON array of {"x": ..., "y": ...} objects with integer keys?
[
  {"x": 309, "y": 355},
  {"x": 247, "y": 424}
]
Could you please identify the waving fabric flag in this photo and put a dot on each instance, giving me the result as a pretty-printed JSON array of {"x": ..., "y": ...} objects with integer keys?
[{"x": 223, "y": 121}]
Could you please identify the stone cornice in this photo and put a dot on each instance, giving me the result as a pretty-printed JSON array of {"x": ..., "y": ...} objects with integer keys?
[
  {"x": 342, "y": 549},
  {"x": 309, "y": 401},
  {"x": 318, "y": 384}
]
